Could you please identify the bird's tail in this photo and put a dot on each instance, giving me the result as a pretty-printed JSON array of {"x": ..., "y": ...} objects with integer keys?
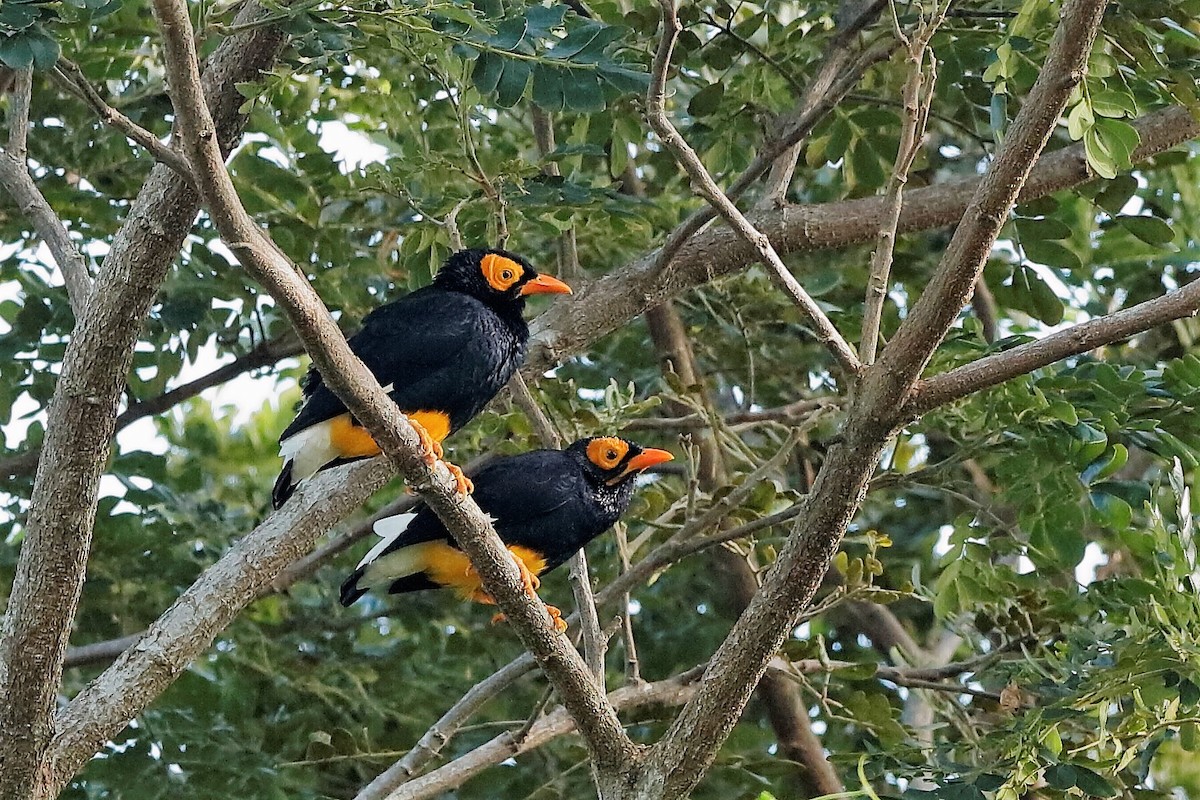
[
  {"x": 284, "y": 487},
  {"x": 351, "y": 591}
]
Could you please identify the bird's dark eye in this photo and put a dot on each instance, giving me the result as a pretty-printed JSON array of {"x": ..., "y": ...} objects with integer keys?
[
  {"x": 611, "y": 455},
  {"x": 506, "y": 275}
]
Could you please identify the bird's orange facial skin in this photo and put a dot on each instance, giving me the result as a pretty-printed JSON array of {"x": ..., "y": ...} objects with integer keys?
[
  {"x": 353, "y": 441},
  {"x": 501, "y": 273},
  {"x": 607, "y": 452}
]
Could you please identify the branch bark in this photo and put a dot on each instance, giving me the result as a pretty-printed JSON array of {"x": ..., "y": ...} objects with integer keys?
[
  {"x": 14, "y": 176},
  {"x": 50, "y": 568},
  {"x": 1023, "y": 359},
  {"x": 612, "y": 300},
  {"x": 656, "y": 115},
  {"x": 612, "y": 752},
  {"x": 676, "y": 763}
]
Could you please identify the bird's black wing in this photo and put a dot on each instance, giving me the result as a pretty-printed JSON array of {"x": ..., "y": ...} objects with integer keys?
[
  {"x": 409, "y": 343},
  {"x": 524, "y": 487}
]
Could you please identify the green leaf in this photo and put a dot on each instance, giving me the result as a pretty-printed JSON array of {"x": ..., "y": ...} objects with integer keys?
[
  {"x": 1042, "y": 229},
  {"x": 487, "y": 71},
  {"x": 1113, "y": 104},
  {"x": 512, "y": 82},
  {"x": 583, "y": 92},
  {"x": 548, "y": 87},
  {"x": 16, "y": 51},
  {"x": 707, "y": 100},
  {"x": 624, "y": 79},
  {"x": 1099, "y": 157},
  {"x": 1116, "y": 193},
  {"x": 1051, "y": 254},
  {"x": 1119, "y": 138},
  {"x": 1092, "y": 783},
  {"x": 1151, "y": 230},
  {"x": 1080, "y": 121}
]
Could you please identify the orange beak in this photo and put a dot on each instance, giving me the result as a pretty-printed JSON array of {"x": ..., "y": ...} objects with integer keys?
[
  {"x": 544, "y": 284},
  {"x": 647, "y": 458}
]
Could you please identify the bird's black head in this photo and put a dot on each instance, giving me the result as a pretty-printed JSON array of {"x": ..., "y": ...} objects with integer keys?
[
  {"x": 613, "y": 462},
  {"x": 497, "y": 277}
]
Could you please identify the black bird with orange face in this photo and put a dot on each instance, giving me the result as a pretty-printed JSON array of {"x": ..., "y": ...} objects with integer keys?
[
  {"x": 441, "y": 352},
  {"x": 546, "y": 504}
]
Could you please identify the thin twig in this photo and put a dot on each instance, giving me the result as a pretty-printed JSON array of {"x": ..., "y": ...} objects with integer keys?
[
  {"x": 440, "y": 733},
  {"x": 912, "y": 131},
  {"x": 633, "y": 672},
  {"x": 14, "y": 176},
  {"x": 568, "y": 251},
  {"x": 71, "y": 77},
  {"x": 656, "y": 114}
]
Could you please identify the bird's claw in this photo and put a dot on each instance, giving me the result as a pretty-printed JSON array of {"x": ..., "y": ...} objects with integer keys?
[
  {"x": 560, "y": 624},
  {"x": 556, "y": 619},
  {"x": 531, "y": 582},
  {"x": 431, "y": 450},
  {"x": 462, "y": 484}
]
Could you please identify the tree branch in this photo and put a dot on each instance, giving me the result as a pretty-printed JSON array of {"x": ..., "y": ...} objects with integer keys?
[
  {"x": 71, "y": 77},
  {"x": 948, "y": 291},
  {"x": 14, "y": 176},
  {"x": 678, "y": 761},
  {"x": 612, "y": 751},
  {"x": 81, "y": 416},
  {"x": 656, "y": 115},
  {"x": 672, "y": 691},
  {"x": 185, "y": 630},
  {"x": 1000, "y": 367},
  {"x": 264, "y": 354},
  {"x": 440, "y": 733},
  {"x": 612, "y": 300}
]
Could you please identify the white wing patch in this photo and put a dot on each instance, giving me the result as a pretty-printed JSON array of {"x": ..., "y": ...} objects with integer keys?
[{"x": 389, "y": 529}]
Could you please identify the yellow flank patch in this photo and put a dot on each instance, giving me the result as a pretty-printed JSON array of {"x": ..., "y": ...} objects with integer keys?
[
  {"x": 353, "y": 441},
  {"x": 435, "y": 423},
  {"x": 447, "y": 566},
  {"x": 350, "y": 440}
]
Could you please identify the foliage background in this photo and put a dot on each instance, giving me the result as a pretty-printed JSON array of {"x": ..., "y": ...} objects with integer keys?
[{"x": 977, "y": 522}]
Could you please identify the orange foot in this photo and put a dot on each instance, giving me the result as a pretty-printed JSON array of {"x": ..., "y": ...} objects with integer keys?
[
  {"x": 531, "y": 582},
  {"x": 463, "y": 484},
  {"x": 431, "y": 450},
  {"x": 556, "y": 619}
]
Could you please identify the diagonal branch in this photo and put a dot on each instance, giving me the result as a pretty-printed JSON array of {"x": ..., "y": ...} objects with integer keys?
[
  {"x": 1000, "y": 367},
  {"x": 51, "y": 564},
  {"x": 612, "y": 751},
  {"x": 70, "y": 76},
  {"x": 672, "y": 691},
  {"x": 678, "y": 761},
  {"x": 147, "y": 667},
  {"x": 656, "y": 115},
  {"x": 15, "y": 177}
]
